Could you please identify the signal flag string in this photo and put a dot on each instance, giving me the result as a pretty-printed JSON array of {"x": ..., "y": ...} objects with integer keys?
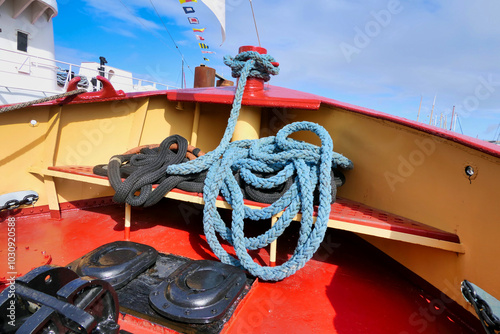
[
  {"x": 154, "y": 33},
  {"x": 170, "y": 35}
]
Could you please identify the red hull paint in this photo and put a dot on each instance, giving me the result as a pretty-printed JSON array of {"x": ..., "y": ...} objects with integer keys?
[{"x": 347, "y": 287}]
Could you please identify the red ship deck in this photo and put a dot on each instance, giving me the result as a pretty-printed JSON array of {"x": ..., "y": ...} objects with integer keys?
[{"x": 348, "y": 287}]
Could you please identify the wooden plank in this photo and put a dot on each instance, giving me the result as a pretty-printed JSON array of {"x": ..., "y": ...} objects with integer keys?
[
  {"x": 399, "y": 236},
  {"x": 393, "y": 235},
  {"x": 52, "y": 198},
  {"x": 75, "y": 177},
  {"x": 128, "y": 219},
  {"x": 336, "y": 223},
  {"x": 198, "y": 199},
  {"x": 273, "y": 248}
]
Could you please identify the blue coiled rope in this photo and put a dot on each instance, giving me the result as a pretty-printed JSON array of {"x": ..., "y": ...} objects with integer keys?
[{"x": 278, "y": 154}]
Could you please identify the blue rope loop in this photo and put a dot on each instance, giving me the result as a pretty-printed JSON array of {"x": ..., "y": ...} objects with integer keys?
[
  {"x": 260, "y": 66},
  {"x": 309, "y": 165}
]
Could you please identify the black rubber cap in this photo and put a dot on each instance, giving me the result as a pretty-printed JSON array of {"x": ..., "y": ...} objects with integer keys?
[
  {"x": 198, "y": 292},
  {"x": 117, "y": 263}
]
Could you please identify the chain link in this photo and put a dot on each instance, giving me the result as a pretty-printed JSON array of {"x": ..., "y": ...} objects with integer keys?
[
  {"x": 14, "y": 203},
  {"x": 489, "y": 320}
]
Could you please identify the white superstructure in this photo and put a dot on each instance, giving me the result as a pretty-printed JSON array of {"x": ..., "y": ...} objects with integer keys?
[
  {"x": 28, "y": 67},
  {"x": 26, "y": 37}
]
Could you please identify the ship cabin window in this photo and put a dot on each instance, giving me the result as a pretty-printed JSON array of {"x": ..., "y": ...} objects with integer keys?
[{"x": 22, "y": 41}]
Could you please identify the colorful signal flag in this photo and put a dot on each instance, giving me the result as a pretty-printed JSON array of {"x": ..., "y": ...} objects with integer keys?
[
  {"x": 184, "y": 1},
  {"x": 188, "y": 10},
  {"x": 210, "y": 52},
  {"x": 193, "y": 20},
  {"x": 198, "y": 29},
  {"x": 200, "y": 38},
  {"x": 203, "y": 46}
]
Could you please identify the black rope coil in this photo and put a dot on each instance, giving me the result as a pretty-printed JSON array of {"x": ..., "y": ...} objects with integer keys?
[
  {"x": 145, "y": 166},
  {"x": 270, "y": 196},
  {"x": 148, "y": 167}
]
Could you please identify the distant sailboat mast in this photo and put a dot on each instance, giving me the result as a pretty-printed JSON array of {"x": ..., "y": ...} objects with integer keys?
[
  {"x": 452, "y": 116},
  {"x": 432, "y": 110},
  {"x": 183, "y": 78},
  {"x": 419, "y": 107}
]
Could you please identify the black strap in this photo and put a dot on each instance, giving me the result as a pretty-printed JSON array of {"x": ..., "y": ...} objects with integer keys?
[{"x": 270, "y": 196}]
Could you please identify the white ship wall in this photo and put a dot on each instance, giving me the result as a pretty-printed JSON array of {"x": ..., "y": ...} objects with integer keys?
[
  {"x": 24, "y": 76},
  {"x": 30, "y": 75}
]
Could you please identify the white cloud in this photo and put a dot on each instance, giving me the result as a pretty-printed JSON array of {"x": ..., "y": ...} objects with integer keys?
[
  {"x": 119, "y": 30},
  {"x": 438, "y": 47},
  {"x": 123, "y": 11},
  {"x": 73, "y": 56},
  {"x": 427, "y": 48}
]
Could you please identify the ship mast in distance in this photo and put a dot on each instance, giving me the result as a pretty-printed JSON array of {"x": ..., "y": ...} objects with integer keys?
[
  {"x": 419, "y": 107},
  {"x": 452, "y": 116},
  {"x": 432, "y": 110}
]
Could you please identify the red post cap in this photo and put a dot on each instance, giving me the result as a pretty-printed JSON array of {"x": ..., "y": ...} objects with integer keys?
[
  {"x": 254, "y": 85},
  {"x": 258, "y": 49}
]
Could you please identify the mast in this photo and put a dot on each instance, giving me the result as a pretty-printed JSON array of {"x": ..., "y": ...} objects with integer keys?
[
  {"x": 182, "y": 75},
  {"x": 452, "y": 116},
  {"x": 255, "y": 22},
  {"x": 432, "y": 110},
  {"x": 419, "y": 107}
]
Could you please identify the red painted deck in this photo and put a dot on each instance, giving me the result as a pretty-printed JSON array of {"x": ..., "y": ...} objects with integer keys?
[{"x": 348, "y": 287}]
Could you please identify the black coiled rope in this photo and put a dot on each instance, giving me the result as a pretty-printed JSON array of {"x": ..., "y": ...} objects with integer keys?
[{"x": 147, "y": 168}]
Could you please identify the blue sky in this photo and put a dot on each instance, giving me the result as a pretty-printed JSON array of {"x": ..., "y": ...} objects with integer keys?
[{"x": 380, "y": 54}]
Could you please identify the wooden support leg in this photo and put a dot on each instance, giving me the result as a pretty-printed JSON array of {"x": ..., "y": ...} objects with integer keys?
[
  {"x": 48, "y": 159},
  {"x": 128, "y": 213},
  {"x": 50, "y": 188},
  {"x": 274, "y": 246}
]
